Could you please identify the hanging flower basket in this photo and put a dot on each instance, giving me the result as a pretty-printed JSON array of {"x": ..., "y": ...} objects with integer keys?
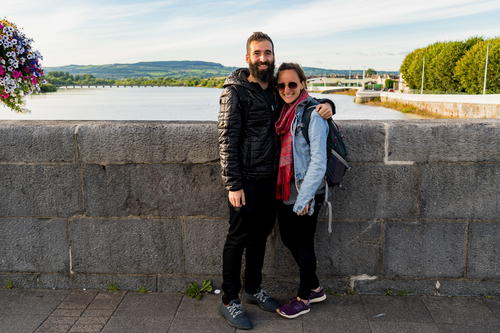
[{"x": 20, "y": 70}]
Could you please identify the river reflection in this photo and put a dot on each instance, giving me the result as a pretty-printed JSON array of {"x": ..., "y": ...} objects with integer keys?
[{"x": 160, "y": 103}]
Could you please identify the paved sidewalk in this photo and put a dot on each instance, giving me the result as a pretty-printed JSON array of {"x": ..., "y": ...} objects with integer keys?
[{"x": 100, "y": 311}]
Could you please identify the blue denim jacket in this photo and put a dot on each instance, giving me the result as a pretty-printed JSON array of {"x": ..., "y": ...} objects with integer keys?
[{"x": 309, "y": 161}]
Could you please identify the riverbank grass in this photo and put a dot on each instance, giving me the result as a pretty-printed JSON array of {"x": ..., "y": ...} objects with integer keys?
[
  {"x": 349, "y": 92},
  {"x": 406, "y": 108}
]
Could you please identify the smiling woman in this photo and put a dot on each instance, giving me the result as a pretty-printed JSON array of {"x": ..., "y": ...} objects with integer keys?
[
  {"x": 291, "y": 82},
  {"x": 300, "y": 185}
]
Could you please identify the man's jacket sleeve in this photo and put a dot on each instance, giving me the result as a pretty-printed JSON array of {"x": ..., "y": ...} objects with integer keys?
[
  {"x": 326, "y": 100},
  {"x": 229, "y": 128}
]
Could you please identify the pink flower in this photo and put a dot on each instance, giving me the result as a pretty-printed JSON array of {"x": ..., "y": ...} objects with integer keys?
[
  {"x": 2, "y": 72},
  {"x": 33, "y": 79},
  {"x": 16, "y": 74},
  {"x": 5, "y": 96}
]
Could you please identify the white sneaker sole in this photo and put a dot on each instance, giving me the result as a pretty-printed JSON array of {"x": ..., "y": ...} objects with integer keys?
[
  {"x": 317, "y": 299},
  {"x": 292, "y": 316}
]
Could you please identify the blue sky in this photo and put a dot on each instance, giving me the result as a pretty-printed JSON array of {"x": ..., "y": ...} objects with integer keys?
[{"x": 329, "y": 34}]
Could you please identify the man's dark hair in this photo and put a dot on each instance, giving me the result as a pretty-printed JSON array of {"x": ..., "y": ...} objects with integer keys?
[
  {"x": 258, "y": 37},
  {"x": 296, "y": 68}
]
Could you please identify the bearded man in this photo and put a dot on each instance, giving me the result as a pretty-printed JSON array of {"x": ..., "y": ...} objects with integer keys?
[{"x": 248, "y": 150}]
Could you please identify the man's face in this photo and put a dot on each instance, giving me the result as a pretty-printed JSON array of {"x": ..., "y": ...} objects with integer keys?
[{"x": 260, "y": 60}]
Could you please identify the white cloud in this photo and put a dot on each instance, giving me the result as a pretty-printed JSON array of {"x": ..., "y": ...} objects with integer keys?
[
  {"x": 327, "y": 17},
  {"x": 87, "y": 32}
]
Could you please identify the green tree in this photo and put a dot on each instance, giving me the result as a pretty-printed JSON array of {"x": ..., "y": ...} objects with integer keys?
[
  {"x": 470, "y": 69},
  {"x": 370, "y": 71},
  {"x": 411, "y": 68},
  {"x": 48, "y": 87}
]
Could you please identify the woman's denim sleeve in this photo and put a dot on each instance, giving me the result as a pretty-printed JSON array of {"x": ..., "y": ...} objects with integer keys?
[{"x": 318, "y": 133}]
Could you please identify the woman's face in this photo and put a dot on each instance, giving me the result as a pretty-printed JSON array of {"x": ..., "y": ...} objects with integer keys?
[{"x": 289, "y": 85}]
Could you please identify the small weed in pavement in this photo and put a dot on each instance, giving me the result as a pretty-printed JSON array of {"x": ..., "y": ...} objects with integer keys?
[
  {"x": 9, "y": 284},
  {"x": 142, "y": 289},
  {"x": 388, "y": 292},
  {"x": 351, "y": 292},
  {"x": 193, "y": 290},
  {"x": 113, "y": 287},
  {"x": 332, "y": 292},
  {"x": 404, "y": 293}
]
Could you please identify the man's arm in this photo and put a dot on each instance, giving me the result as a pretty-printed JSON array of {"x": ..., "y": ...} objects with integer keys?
[
  {"x": 229, "y": 128},
  {"x": 326, "y": 108}
]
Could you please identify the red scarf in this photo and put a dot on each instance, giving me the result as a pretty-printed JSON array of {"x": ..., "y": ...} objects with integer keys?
[{"x": 285, "y": 169}]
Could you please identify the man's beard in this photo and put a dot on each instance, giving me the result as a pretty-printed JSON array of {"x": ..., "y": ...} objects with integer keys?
[{"x": 265, "y": 75}]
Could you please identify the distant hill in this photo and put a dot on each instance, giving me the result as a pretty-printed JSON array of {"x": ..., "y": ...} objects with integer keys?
[{"x": 177, "y": 69}]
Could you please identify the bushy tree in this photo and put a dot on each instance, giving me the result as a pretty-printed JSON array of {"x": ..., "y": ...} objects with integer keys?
[
  {"x": 443, "y": 58},
  {"x": 442, "y": 70},
  {"x": 370, "y": 71},
  {"x": 411, "y": 68},
  {"x": 470, "y": 69}
]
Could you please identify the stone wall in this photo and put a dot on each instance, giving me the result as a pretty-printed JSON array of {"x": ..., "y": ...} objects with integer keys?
[
  {"x": 87, "y": 204},
  {"x": 455, "y": 106}
]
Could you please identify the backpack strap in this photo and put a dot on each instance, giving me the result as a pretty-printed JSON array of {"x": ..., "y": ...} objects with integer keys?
[{"x": 306, "y": 119}]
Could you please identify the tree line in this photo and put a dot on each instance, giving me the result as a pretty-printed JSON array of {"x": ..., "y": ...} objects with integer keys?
[
  {"x": 58, "y": 79},
  {"x": 454, "y": 67}
]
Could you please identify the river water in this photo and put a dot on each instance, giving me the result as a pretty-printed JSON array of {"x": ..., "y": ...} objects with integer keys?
[{"x": 159, "y": 103}]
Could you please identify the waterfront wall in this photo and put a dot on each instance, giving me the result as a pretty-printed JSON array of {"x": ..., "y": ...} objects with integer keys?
[
  {"x": 87, "y": 204},
  {"x": 455, "y": 106}
]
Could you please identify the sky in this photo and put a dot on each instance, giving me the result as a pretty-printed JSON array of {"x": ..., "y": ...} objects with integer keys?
[{"x": 348, "y": 34}]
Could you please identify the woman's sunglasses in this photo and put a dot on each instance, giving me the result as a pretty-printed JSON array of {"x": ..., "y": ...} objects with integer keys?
[{"x": 291, "y": 85}]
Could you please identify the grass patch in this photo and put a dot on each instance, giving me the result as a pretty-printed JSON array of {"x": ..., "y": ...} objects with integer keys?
[
  {"x": 351, "y": 292},
  {"x": 406, "y": 108},
  {"x": 332, "y": 292},
  {"x": 193, "y": 290},
  {"x": 9, "y": 284},
  {"x": 113, "y": 287},
  {"x": 350, "y": 92},
  {"x": 142, "y": 290}
]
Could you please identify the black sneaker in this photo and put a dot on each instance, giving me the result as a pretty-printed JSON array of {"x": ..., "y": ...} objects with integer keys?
[
  {"x": 234, "y": 315},
  {"x": 263, "y": 300}
]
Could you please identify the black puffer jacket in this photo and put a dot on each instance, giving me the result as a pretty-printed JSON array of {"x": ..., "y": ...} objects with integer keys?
[{"x": 247, "y": 140}]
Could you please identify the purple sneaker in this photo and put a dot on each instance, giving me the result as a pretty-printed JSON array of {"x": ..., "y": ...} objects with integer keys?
[
  {"x": 293, "y": 309},
  {"x": 317, "y": 296}
]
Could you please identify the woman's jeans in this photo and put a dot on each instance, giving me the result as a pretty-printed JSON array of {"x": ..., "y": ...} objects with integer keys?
[
  {"x": 297, "y": 233},
  {"x": 249, "y": 227}
]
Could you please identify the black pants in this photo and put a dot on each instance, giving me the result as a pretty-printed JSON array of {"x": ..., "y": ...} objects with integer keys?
[
  {"x": 249, "y": 227},
  {"x": 297, "y": 233}
]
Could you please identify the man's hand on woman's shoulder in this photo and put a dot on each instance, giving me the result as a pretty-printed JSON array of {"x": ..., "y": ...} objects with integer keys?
[{"x": 324, "y": 110}]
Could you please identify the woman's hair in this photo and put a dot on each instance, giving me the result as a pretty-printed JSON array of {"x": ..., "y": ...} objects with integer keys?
[{"x": 296, "y": 68}]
